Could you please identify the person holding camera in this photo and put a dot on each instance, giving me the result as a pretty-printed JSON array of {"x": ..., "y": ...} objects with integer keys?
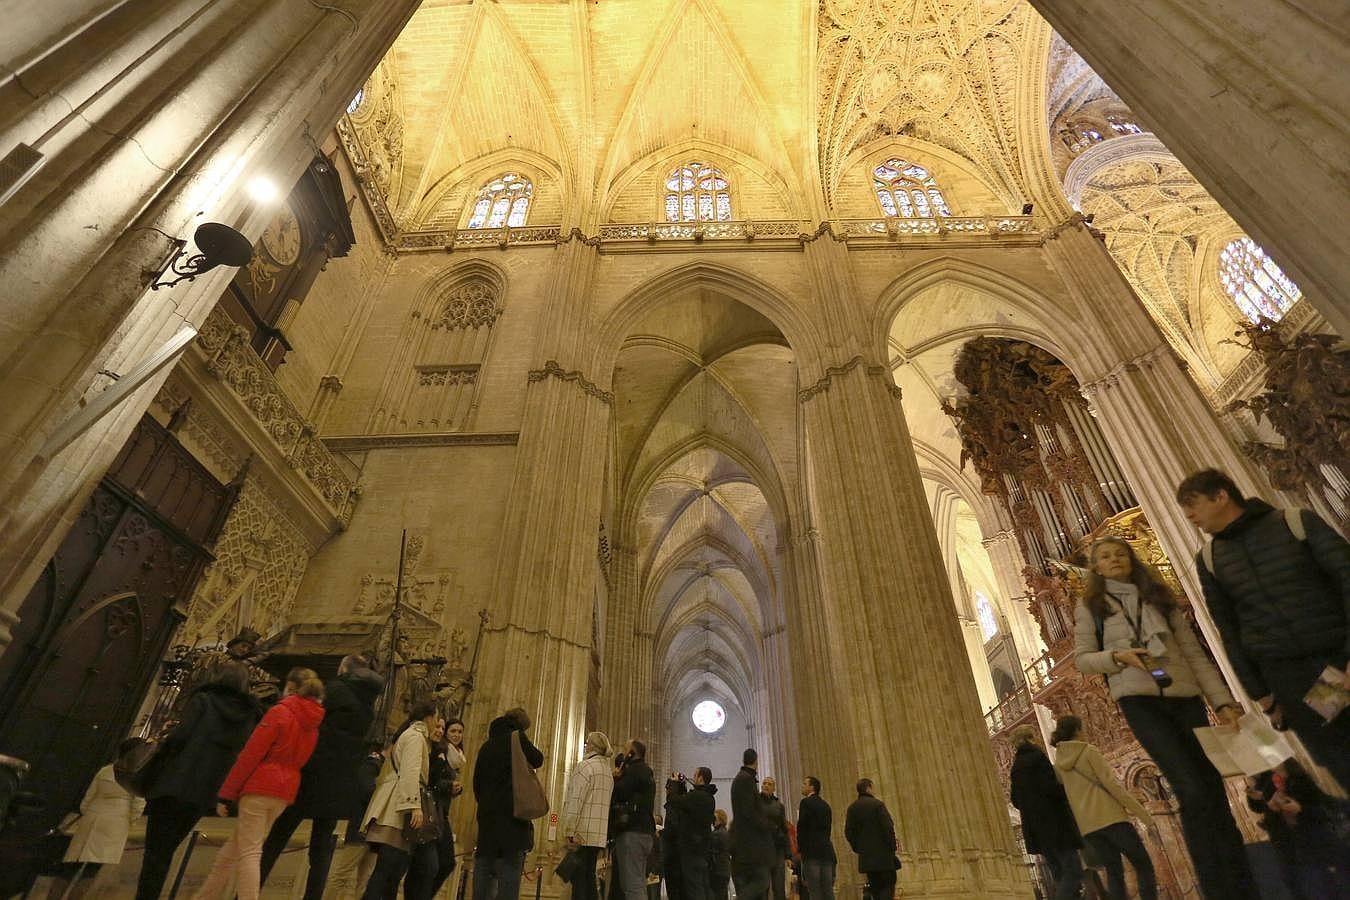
[
  {"x": 695, "y": 814},
  {"x": 1129, "y": 629},
  {"x": 633, "y": 825}
]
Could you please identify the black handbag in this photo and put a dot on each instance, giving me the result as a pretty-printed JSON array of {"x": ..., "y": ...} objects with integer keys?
[
  {"x": 431, "y": 819},
  {"x": 569, "y": 867},
  {"x": 137, "y": 769}
]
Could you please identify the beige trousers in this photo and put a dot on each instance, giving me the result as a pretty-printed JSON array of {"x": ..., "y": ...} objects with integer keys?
[{"x": 242, "y": 853}]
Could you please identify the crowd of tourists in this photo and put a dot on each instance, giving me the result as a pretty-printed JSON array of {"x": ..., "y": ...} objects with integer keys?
[{"x": 1276, "y": 583}]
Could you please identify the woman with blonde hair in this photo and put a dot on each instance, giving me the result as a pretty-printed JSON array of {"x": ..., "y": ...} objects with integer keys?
[
  {"x": 264, "y": 781},
  {"x": 1129, "y": 629},
  {"x": 1102, "y": 807}
]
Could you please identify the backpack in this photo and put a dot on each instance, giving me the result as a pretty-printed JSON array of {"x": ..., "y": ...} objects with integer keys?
[{"x": 1293, "y": 518}]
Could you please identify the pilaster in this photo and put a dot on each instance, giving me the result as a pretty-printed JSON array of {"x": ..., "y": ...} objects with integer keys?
[{"x": 904, "y": 664}]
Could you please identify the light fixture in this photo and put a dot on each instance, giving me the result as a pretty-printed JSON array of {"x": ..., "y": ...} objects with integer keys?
[
  {"x": 217, "y": 245},
  {"x": 262, "y": 189}
]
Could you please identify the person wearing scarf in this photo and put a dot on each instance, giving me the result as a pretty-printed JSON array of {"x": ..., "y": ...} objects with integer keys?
[
  {"x": 1127, "y": 625},
  {"x": 434, "y": 861}
]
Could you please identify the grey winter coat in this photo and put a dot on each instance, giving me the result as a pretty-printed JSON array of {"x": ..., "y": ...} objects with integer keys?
[
  {"x": 1273, "y": 596},
  {"x": 1192, "y": 672}
]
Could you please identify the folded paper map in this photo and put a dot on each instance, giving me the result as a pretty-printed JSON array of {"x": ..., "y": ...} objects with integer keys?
[{"x": 1250, "y": 749}]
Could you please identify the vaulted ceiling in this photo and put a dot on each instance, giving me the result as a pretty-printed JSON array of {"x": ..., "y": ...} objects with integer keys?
[{"x": 586, "y": 91}]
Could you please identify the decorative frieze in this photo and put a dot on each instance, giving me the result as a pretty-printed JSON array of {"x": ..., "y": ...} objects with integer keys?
[
  {"x": 551, "y": 369},
  {"x": 223, "y": 347},
  {"x": 822, "y": 383}
]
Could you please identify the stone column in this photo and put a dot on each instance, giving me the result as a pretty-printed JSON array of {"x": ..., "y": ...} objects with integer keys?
[
  {"x": 1158, "y": 424},
  {"x": 223, "y": 92},
  {"x": 1250, "y": 103},
  {"x": 1006, "y": 557},
  {"x": 903, "y": 666},
  {"x": 626, "y": 689}
]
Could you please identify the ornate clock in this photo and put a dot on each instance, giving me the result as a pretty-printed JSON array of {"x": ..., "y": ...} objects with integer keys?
[{"x": 281, "y": 239}]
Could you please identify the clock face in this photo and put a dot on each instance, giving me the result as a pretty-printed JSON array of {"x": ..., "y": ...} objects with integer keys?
[
  {"x": 709, "y": 717},
  {"x": 282, "y": 238}
]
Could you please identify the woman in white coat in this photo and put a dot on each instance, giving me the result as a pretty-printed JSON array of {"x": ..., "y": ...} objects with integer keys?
[
  {"x": 99, "y": 833},
  {"x": 396, "y": 805},
  {"x": 585, "y": 812}
]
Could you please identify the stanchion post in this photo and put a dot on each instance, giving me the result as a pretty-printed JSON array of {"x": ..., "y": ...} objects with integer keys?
[{"x": 182, "y": 866}]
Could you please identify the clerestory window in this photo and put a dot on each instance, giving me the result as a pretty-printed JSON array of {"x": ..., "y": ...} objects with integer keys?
[
  {"x": 697, "y": 193},
  {"x": 1254, "y": 282},
  {"x": 505, "y": 200},
  {"x": 908, "y": 191}
]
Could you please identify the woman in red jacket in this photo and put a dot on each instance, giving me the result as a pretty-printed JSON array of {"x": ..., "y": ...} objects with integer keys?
[{"x": 264, "y": 781}]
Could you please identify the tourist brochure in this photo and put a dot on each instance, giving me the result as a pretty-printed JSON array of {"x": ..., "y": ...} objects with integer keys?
[
  {"x": 1250, "y": 749},
  {"x": 1330, "y": 693}
]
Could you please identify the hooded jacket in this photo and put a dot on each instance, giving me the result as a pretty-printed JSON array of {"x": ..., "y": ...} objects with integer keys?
[
  {"x": 500, "y": 833},
  {"x": 696, "y": 817},
  {"x": 1273, "y": 596},
  {"x": 1193, "y": 674},
  {"x": 349, "y": 708},
  {"x": 1097, "y": 799},
  {"x": 200, "y": 750},
  {"x": 269, "y": 765}
]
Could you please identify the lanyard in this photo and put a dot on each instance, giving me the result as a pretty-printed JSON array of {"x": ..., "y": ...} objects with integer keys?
[{"x": 1136, "y": 624}]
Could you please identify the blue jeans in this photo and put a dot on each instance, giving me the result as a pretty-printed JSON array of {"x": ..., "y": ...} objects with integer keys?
[
  {"x": 1108, "y": 844},
  {"x": 819, "y": 877},
  {"x": 631, "y": 849},
  {"x": 499, "y": 872}
]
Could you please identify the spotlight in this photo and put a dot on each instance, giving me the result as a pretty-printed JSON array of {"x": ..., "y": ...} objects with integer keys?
[
  {"x": 262, "y": 189},
  {"x": 1026, "y": 209},
  {"x": 217, "y": 245}
]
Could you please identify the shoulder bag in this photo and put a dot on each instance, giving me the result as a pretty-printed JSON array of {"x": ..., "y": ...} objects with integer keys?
[{"x": 528, "y": 799}]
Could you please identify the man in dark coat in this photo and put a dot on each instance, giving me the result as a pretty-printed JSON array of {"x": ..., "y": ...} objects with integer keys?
[
  {"x": 1277, "y": 584},
  {"x": 752, "y": 849},
  {"x": 1048, "y": 826},
  {"x": 871, "y": 833},
  {"x": 777, "y": 815},
  {"x": 633, "y": 825},
  {"x": 814, "y": 822},
  {"x": 503, "y": 840},
  {"x": 197, "y": 755},
  {"x": 694, "y": 825},
  {"x": 326, "y": 781}
]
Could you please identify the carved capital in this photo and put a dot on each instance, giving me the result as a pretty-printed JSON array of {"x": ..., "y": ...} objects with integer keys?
[{"x": 822, "y": 383}]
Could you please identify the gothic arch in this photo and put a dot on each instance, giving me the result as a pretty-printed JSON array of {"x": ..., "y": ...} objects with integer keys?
[
  {"x": 729, "y": 159},
  {"x": 619, "y": 322}
]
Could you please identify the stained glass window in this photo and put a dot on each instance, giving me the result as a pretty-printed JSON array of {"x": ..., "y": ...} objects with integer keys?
[
  {"x": 356, "y": 101},
  {"x": 908, "y": 191},
  {"x": 984, "y": 610},
  {"x": 697, "y": 193},
  {"x": 1256, "y": 284},
  {"x": 505, "y": 200}
]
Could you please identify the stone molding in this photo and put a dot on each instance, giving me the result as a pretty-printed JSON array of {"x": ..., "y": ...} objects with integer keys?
[
  {"x": 1116, "y": 149},
  {"x": 1145, "y": 360},
  {"x": 224, "y": 355},
  {"x": 347, "y": 443},
  {"x": 822, "y": 383},
  {"x": 551, "y": 369}
]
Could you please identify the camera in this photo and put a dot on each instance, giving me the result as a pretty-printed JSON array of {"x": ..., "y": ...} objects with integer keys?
[
  {"x": 1156, "y": 670},
  {"x": 676, "y": 783}
]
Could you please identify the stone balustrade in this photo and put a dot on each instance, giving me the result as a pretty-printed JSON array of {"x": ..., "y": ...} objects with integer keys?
[{"x": 223, "y": 347}]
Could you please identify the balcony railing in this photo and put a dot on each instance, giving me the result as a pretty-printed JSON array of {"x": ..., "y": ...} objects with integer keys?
[
  {"x": 1014, "y": 707},
  {"x": 224, "y": 347},
  {"x": 784, "y": 233}
]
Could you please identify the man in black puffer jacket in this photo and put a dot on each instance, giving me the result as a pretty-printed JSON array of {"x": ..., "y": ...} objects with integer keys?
[
  {"x": 1281, "y": 601},
  {"x": 325, "y": 782}
]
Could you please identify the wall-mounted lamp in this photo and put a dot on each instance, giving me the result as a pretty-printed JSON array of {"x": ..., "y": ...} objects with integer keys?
[
  {"x": 1026, "y": 208},
  {"x": 217, "y": 245},
  {"x": 263, "y": 189}
]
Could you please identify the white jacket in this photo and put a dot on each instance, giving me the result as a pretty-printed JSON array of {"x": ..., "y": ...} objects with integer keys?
[
  {"x": 106, "y": 814},
  {"x": 398, "y": 790},
  {"x": 585, "y": 812}
]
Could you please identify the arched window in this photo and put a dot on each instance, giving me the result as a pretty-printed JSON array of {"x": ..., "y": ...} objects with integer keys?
[
  {"x": 906, "y": 190},
  {"x": 360, "y": 98},
  {"x": 504, "y": 200},
  {"x": 697, "y": 193},
  {"x": 984, "y": 611},
  {"x": 1256, "y": 284}
]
